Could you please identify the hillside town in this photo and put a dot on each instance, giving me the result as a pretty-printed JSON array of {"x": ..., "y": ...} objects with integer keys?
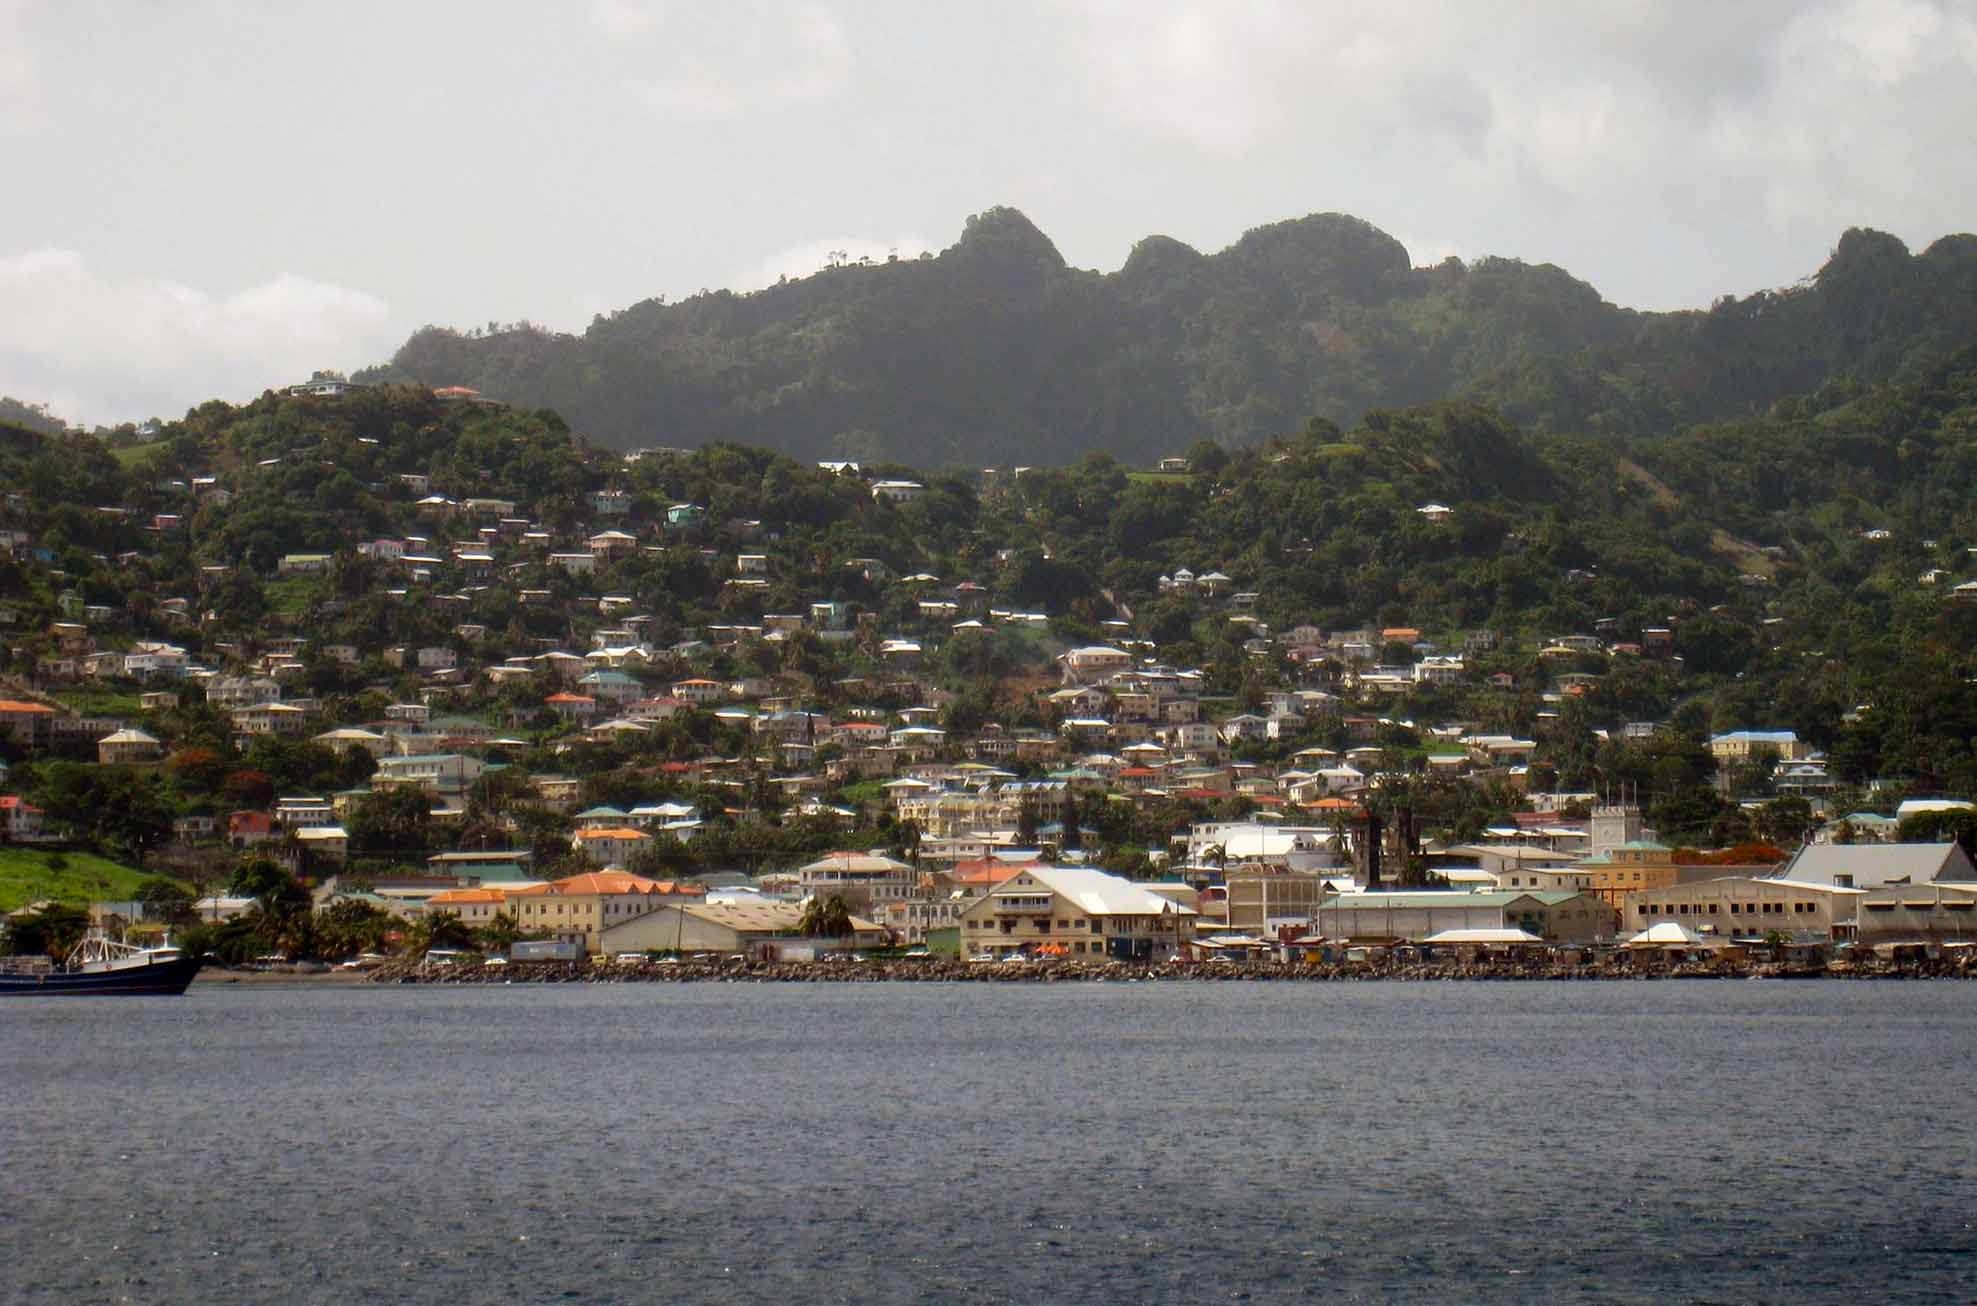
[{"x": 848, "y": 753}]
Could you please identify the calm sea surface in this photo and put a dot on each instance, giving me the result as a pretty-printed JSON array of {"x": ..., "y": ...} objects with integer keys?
[{"x": 1674, "y": 1141}]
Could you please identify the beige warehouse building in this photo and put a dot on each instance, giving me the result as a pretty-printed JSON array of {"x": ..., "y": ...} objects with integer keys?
[
  {"x": 1919, "y": 913},
  {"x": 1746, "y": 907}
]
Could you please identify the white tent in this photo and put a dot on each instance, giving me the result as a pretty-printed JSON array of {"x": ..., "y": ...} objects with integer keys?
[
  {"x": 1667, "y": 934},
  {"x": 1483, "y": 937}
]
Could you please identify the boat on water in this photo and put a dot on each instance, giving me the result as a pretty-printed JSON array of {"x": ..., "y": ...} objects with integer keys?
[{"x": 101, "y": 965}]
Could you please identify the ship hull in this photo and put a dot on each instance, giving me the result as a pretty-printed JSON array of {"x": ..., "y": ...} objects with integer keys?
[{"x": 159, "y": 977}]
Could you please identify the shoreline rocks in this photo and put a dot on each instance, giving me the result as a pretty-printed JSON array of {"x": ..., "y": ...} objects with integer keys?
[{"x": 938, "y": 971}]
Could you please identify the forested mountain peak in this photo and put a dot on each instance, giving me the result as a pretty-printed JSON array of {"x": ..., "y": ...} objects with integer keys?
[
  {"x": 1157, "y": 258},
  {"x": 1005, "y": 239}
]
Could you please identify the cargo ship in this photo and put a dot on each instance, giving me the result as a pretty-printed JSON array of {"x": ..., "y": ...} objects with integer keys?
[{"x": 102, "y": 966}]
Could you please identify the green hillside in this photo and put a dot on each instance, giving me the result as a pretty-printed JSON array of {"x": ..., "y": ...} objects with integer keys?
[{"x": 81, "y": 878}]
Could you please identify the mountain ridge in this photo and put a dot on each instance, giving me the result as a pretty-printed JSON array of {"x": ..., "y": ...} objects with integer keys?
[{"x": 996, "y": 350}]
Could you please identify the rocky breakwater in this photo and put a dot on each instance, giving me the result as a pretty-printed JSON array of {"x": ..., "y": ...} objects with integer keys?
[{"x": 1618, "y": 966}]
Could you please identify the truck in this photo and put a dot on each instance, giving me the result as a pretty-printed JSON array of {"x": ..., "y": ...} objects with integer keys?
[{"x": 545, "y": 950}]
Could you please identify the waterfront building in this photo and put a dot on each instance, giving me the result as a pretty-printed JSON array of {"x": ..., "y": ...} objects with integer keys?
[
  {"x": 1743, "y": 906},
  {"x": 1555, "y": 917},
  {"x": 769, "y": 930},
  {"x": 1927, "y": 914},
  {"x": 580, "y": 908},
  {"x": 1075, "y": 912},
  {"x": 1869, "y": 866}
]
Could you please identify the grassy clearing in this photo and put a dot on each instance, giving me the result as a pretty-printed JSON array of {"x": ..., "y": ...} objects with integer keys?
[
  {"x": 99, "y": 702},
  {"x": 294, "y": 596},
  {"x": 131, "y": 455},
  {"x": 26, "y": 875}
]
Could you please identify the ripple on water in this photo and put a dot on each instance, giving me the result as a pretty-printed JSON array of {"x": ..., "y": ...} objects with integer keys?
[{"x": 1475, "y": 1142}]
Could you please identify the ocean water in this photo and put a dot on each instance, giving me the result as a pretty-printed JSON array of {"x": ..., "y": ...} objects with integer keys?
[{"x": 1600, "y": 1142}]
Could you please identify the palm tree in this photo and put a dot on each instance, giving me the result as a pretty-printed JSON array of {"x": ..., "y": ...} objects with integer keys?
[
  {"x": 441, "y": 929},
  {"x": 825, "y": 918},
  {"x": 501, "y": 932}
]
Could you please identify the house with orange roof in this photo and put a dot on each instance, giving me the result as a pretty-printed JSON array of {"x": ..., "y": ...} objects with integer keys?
[
  {"x": 611, "y": 844},
  {"x": 572, "y": 707},
  {"x": 25, "y": 723},
  {"x": 579, "y": 908},
  {"x": 976, "y": 878},
  {"x": 699, "y": 691},
  {"x": 475, "y": 907}
]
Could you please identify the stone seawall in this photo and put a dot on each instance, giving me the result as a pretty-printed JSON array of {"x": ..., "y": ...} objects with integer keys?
[{"x": 1060, "y": 972}]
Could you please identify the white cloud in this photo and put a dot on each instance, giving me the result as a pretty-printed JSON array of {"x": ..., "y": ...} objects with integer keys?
[
  {"x": 811, "y": 256},
  {"x": 826, "y": 55},
  {"x": 1759, "y": 127},
  {"x": 20, "y": 108},
  {"x": 104, "y": 349},
  {"x": 622, "y": 17},
  {"x": 755, "y": 56}
]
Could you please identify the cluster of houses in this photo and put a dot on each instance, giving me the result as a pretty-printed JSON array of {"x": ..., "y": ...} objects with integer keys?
[
  {"x": 995, "y": 807},
  {"x": 1277, "y": 892}
]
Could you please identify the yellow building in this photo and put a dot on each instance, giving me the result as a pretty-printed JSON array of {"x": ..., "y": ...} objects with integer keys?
[
  {"x": 1075, "y": 912},
  {"x": 579, "y": 908},
  {"x": 1640, "y": 865},
  {"x": 1742, "y": 745}
]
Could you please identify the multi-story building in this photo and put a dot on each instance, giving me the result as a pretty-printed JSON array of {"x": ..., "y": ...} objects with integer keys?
[
  {"x": 1742, "y": 745},
  {"x": 1076, "y": 912},
  {"x": 880, "y": 879},
  {"x": 1745, "y": 906},
  {"x": 434, "y": 772},
  {"x": 579, "y": 908}
]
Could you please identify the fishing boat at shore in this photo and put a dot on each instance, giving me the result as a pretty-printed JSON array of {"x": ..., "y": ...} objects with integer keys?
[{"x": 102, "y": 966}]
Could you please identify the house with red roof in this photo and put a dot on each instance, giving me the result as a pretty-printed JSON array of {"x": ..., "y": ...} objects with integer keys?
[
  {"x": 19, "y": 819},
  {"x": 245, "y": 829}
]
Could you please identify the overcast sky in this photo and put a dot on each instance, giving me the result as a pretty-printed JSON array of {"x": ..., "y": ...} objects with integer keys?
[{"x": 207, "y": 198}]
